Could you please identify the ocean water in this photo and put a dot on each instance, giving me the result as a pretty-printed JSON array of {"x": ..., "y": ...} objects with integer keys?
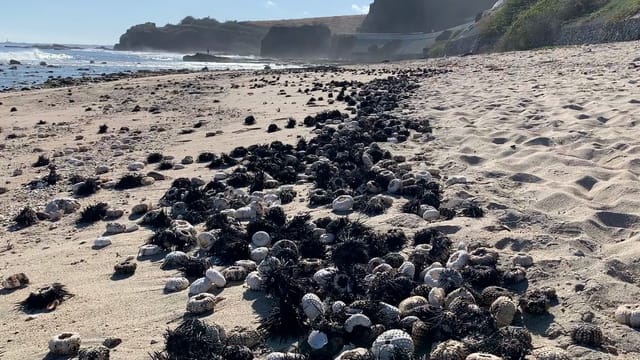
[{"x": 94, "y": 61}]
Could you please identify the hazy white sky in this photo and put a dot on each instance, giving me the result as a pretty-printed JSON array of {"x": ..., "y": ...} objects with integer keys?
[{"x": 102, "y": 22}]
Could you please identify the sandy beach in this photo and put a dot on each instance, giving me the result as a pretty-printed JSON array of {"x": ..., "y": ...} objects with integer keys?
[{"x": 546, "y": 140}]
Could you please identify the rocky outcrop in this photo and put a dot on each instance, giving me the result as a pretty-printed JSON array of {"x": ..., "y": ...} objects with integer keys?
[
  {"x": 387, "y": 16},
  {"x": 307, "y": 41},
  {"x": 195, "y": 35},
  {"x": 627, "y": 30}
]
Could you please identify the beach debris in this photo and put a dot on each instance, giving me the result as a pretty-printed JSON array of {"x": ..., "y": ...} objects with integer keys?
[
  {"x": 101, "y": 242},
  {"x": 587, "y": 335},
  {"x": 65, "y": 344},
  {"x": 175, "y": 284},
  {"x": 47, "y": 297},
  {"x": 126, "y": 267},
  {"x": 628, "y": 314},
  {"x": 192, "y": 339},
  {"x": 97, "y": 352},
  {"x": 26, "y": 218},
  {"x": 93, "y": 213},
  {"x": 43, "y": 160},
  {"x": 201, "y": 304},
  {"x": 15, "y": 281}
]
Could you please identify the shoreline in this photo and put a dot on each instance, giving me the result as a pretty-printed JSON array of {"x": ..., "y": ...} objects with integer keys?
[{"x": 545, "y": 148}]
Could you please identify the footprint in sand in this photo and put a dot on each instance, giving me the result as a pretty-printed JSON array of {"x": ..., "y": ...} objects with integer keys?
[
  {"x": 472, "y": 160},
  {"x": 618, "y": 220},
  {"x": 499, "y": 141},
  {"x": 539, "y": 141},
  {"x": 587, "y": 182},
  {"x": 526, "y": 178}
]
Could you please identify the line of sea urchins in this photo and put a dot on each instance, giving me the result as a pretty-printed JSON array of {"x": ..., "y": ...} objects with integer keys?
[{"x": 341, "y": 288}]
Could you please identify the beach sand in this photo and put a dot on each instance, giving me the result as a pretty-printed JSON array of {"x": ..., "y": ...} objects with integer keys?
[{"x": 547, "y": 140}]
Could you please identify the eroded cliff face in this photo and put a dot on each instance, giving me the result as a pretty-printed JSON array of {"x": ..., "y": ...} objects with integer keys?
[
  {"x": 195, "y": 35},
  {"x": 408, "y": 16},
  {"x": 307, "y": 41}
]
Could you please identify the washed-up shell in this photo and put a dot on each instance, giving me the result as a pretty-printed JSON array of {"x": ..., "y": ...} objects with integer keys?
[
  {"x": 449, "y": 350},
  {"x": 15, "y": 281},
  {"x": 628, "y": 314},
  {"x": 394, "y": 186},
  {"x": 483, "y": 356},
  {"x": 285, "y": 356},
  {"x": 374, "y": 263},
  {"x": 250, "y": 265},
  {"x": 458, "y": 260},
  {"x": 407, "y": 269},
  {"x": 149, "y": 250},
  {"x": 206, "y": 240},
  {"x": 268, "y": 265},
  {"x": 388, "y": 313},
  {"x": 382, "y": 268},
  {"x": 436, "y": 297},
  {"x": 235, "y": 273},
  {"x": 483, "y": 256},
  {"x": 115, "y": 228},
  {"x": 201, "y": 303},
  {"x": 356, "y": 320},
  {"x": 259, "y": 254},
  {"x": 282, "y": 245},
  {"x": 338, "y": 307},
  {"x": 389, "y": 342},
  {"x": 246, "y": 213},
  {"x": 503, "y": 310},
  {"x": 317, "y": 340},
  {"x": 429, "y": 213},
  {"x": 98, "y": 352},
  {"x": 460, "y": 293},
  {"x": 343, "y": 203},
  {"x": 324, "y": 276},
  {"x": 199, "y": 286},
  {"x": 176, "y": 284},
  {"x": 215, "y": 277},
  {"x": 255, "y": 281},
  {"x": 410, "y": 303},
  {"x": 327, "y": 238},
  {"x": 102, "y": 241},
  {"x": 550, "y": 353},
  {"x": 260, "y": 239},
  {"x": 65, "y": 344},
  {"x": 587, "y": 335},
  {"x": 355, "y": 354},
  {"x": 312, "y": 306},
  {"x": 432, "y": 276},
  {"x": 173, "y": 260}
]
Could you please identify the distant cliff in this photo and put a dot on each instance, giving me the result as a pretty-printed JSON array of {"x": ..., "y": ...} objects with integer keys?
[
  {"x": 387, "y": 16},
  {"x": 307, "y": 41},
  {"x": 192, "y": 35}
]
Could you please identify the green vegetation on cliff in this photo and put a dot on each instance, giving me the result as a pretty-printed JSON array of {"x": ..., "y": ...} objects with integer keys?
[{"x": 528, "y": 24}]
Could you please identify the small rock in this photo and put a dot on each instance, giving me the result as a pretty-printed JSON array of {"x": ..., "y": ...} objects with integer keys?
[
  {"x": 102, "y": 169},
  {"x": 115, "y": 228},
  {"x": 112, "y": 342},
  {"x": 178, "y": 167},
  {"x": 113, "y": 214},
  {"x": 156, "y": 175},
  {"x": 146, "y": 181},
  {"x": 140, "y": 209},
  {"x": 135, "y": 166},
  {"x": 187, "y": 160},
  {"x": 17, "y": 172}
]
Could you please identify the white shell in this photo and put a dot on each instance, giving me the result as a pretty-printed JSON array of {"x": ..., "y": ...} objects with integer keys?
[
  {"x": 201, "y": 303},
  {"x": 135, "y": 166},
  {"x": 250, "y": 265},
  {"x": 410, "y": 303},
  {"x": 433, "y": 276},
  {"x": 394, "y": 186},
  {"x": 176, "y": 284},
  {"x": 388, "y": 342},
  {"x": 269, "y": 264},
  {"x": 338, "y": 306},
  {"x": 327, "y": 238},
  {"x": 259, "y": 254},
  {"x": 356, "y": 320},
  {"x": 206, "y": 240},
  {"x": 423, "y": 175},
  {"x": 323, "y": 276},
  {"x": 436, "y": 297},
  {"x": 458, "y": 260},
  {"x": 255, "y": 281},
  {"x": 461, "y": 293},
  {"x": 343, "y": 203},
  {"x": 389, "y": 313},
  {"x": 523, "y": 260},
  {"x": 102, "y": 242},
  {"x": 628, "y": 314},
  {"x": 408, "y": 269},
  {"x": 429, "y": 213},
  {"x": 149, "y": 250},
  {"x": 64, "y": 205},
  {"x": 215, "y": 277},
  {"x": 312, "y": 306},
  {"x": 260, "y": 239},
  {"x": 503, "y": 310},
  {"x": 199, "y": 286},
  {"x": 246, "y": 213},
  {"x": 219, "y": 176},
  {"x": 174, "y": 258},
  {"x": 317, "y": 339},
  {"x": 65, "y": 344},
  {"x": 357, "y": 353},
  {"x": 482, "y": 356},
  {"x": 382, "y": 268}
]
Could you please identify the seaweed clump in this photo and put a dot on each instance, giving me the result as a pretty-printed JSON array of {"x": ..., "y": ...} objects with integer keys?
[{"x": 45, "y": 298}]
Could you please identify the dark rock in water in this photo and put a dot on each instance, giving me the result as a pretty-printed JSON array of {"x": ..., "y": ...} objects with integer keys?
[
  {"x": 14, "y": 62},
  {"x": 273, "y": 128},
  {"x": 43, "y": 63},
  {"x": 201, "y": 57},
  {"x": 13, "y": 109},
  {"x": 297, "y": 41}
]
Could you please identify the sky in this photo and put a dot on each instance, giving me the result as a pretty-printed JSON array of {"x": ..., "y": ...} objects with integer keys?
[{"x": 101, "y": 22}]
